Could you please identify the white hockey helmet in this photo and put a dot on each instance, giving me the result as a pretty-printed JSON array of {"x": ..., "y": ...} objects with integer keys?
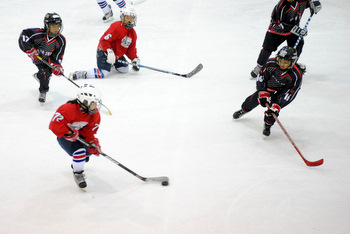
[
  {"x": 131, "y": 13},
  {"x": 89, "y": 99}
]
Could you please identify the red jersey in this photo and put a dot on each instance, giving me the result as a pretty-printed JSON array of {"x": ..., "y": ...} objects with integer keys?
[
  {"x": 69, "y": 116},
  {"x": 120, "y": 39}
]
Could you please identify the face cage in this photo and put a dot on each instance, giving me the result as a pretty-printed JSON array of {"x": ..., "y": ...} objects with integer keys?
[
  {"x": 129, "y": 25},
  {"x": 47, "y": 26},
  {"x": 86, "y": 108},
  {"x": 292, "y": 63}
]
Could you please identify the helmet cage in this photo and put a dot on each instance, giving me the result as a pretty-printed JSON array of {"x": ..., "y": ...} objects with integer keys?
[
  {"x": 52, "y": 19},
  {"x": 128, "y": 12}
]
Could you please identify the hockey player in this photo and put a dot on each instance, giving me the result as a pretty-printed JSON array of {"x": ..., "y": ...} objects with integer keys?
[
  {"x": 48, "y": 44},
  {"x": 107, "y": 9},
  {"x": 79, "y": 118},
  {"x": 277, "y": 85},
  {"x": 284, "y": 26},
  {"x": 117, "y": 41}
]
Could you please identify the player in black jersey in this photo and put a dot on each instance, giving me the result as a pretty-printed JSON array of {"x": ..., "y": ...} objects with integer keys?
[
  {"x": 284, "y": 26},
  {"x": 47, "y": 44},
  {"x": 278, "y": 84}
]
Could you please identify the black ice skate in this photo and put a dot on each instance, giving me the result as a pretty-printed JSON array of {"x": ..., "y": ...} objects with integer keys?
[
  {"x": 239, "y": 114},
  {"x": 42, "y": 97},
  {"x": 79, "y": 178},
  {"x": 267, "y": 130},
  {"x": 255, "y": 72}
]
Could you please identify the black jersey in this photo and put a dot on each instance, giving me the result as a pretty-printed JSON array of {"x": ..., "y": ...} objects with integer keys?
[
  {"x": 283, "y": 85},
  {"x": 285, "y": 15},
  {"x": 50, "y": 49}
]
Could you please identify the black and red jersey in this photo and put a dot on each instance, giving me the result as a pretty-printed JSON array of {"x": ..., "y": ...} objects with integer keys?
[
  {"x": 50, "y": 49},
  {"x": 285, "y": 15},
  {"x": 284, "y": 85}
]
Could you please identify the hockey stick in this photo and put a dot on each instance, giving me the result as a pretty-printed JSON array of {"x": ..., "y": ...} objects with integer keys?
[
  {"x": 305, "y": 27},
  {"x": 308, "y": 163},
  {"x": 188, "y": 75},
  {"x": 52, "y": 67},
  {"x": 163, "y": 179}
]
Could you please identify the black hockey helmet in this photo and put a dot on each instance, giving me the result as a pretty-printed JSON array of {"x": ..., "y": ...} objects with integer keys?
[
  {"x": 289, "y": 54},
  {"x": 52, "y": 19}
]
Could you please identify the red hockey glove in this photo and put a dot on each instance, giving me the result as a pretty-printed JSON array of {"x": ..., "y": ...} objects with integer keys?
[
  {"x": 71, "y": 135},
  {"x": 96, "y": 148},
  {"x": 33, "y": 54},
  {"x": 275, "y": 108},
  {"x": 263, "y": 98},
  {"x": 58, "y": 71}
]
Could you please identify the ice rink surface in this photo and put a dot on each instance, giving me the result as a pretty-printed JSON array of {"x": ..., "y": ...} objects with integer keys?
[{"x": 225, "y": 177}]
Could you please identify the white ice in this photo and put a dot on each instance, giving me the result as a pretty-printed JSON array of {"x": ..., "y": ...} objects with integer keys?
[{"x": 224, "y": 176}]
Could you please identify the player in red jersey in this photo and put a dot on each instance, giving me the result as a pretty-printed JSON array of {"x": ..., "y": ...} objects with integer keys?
[
  {"x": 49, "y": 44},
  {"x": 278, "y": 84},
  {"x": 79, "y": 118},
  {"x": 284, "y": 26},
  {"x": 117, "y": 41}
]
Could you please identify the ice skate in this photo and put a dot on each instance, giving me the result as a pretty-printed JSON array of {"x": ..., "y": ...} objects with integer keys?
[
  {"x": 79, "y": 178},
  {"x": 109, "y": 16},
  {"x": 77, "y": 75},
  {"x": 239, "y": 114},
  {"x": 267, "y": 130},
  {"x": 255, "y": 72},
  {"x": 42, "y": 97}
]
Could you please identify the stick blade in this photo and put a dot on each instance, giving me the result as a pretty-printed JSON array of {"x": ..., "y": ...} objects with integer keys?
[
  {"x": 195, "y": 71},
  {"x": 314, "y": 164},
  {"x": 158, "y": 179}
]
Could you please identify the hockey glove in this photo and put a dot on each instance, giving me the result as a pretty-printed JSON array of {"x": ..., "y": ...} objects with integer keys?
[
  {"x": 315, "y": 6},
  {"x": 275, "y": 109},
  {"x": 58, "y": 69},
  {"x": 299, "y": 31},
  {"x": 263, "y": 98},
  {"x": 110, "y": 56},
  {"x": 33, "y": 54},
  {"x": 96, "y": 148},
  {"x": 71, "y": 135},
  {"x": 135, "y": 64}
]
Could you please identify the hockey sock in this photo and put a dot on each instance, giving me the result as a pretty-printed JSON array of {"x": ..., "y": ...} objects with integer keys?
[
  {"x": 103, "y": 5},
  {"x": 79, "y": 160},
  {"x": 120, "y": 3},
  {"x": 96, "y": 73}
]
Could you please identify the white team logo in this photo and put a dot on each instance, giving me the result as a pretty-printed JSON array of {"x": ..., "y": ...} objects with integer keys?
[
  {"x": 126, "y": 42},
  {"x": 77, "y": 125}
]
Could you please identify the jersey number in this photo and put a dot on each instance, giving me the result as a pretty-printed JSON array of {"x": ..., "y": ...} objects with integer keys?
[{"x": 57, "y": 117}]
